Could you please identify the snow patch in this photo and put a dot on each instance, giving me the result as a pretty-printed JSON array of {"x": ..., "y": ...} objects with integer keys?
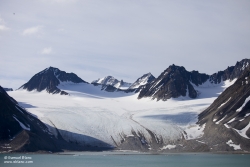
[
  {"x": 194, "y": 132},
  {"x": 231, "y": 144},
  {"x": 200, "y": 141},
  {"x": 231, "y": 120},
  {"x": 244, "y": 66},
  {"x": 226, "y": 126},
  {"x": 243, "y": 105},
  {"x": 21, "y": 124},
  {"x": 247, "y": 115},
  {"x": 19, "y": 109},
  {"x": 169, "y": 146},
  {"x": 243, "y": 131},
  {"x": 208, "y": 89},
  {"x": 221, "y": 120},
  {"x": 224, "y": 103},
  {"x": 155, "y": 84},
  {"x": 130, "y": 136}
]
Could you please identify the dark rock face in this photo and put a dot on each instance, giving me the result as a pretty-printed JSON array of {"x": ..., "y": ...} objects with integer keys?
[
  {"x": 175, "y": 81},
  {"x": 35, "y": 137},
  {"x": 5, "y": 100},
  {"x": 49, "y": 79},
  {"x": 228, "y": 113},
  {"x": 231, "y": 72},
  {"x": 227, "y": 105},
  {"x": 8, "y": 89},
  {"x": 109, "y": 88}
]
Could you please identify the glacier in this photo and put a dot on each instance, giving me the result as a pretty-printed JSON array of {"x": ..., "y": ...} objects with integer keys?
[{"x": 112, "y": 117}]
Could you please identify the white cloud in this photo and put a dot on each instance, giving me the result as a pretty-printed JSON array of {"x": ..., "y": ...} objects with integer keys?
[
  {"x": 107, "y": 36},
  {"x": 47, "y": 51},
  {"x": 32, "y": 30},
  {"x": 3, "y": 28}
]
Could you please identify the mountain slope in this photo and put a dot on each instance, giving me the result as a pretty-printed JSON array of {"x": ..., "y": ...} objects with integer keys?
[
  {"x": 49, "y": 79},
  {"x": 8, "y": 89},
  {"x": 20, "y": 131},
  {"x": 227, "y": 119},
  {"x": 143, "y": 80}
]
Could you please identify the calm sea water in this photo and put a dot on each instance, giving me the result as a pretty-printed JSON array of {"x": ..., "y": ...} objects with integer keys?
[{"x": 105, "y": 159}]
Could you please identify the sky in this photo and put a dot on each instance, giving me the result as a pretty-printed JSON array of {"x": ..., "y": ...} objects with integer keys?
[{"x": 121, "y": 38}]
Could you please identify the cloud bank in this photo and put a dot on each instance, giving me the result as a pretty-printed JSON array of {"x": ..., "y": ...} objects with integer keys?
[{"x": 125, "y": 39}]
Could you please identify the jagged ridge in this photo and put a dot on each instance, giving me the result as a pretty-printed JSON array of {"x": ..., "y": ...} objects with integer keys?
[
  {"x": 49, "y": 79},
  {"x": 176, "y": 81}
]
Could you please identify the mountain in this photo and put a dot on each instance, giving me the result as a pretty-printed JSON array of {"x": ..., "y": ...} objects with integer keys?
[
  {"x": 8, "y": 89},
  {"x": 115, "y": 119},
  {"x": 176, "y": 81},
  {"x": 227, "y": 119},
  {"x": 230, "y": 73},
  {"x": 143, "y": 80},
  {"x": 21, "y": 131},
  {"x": 49, "y": 79},
  {"x": 111, "y": 82}
]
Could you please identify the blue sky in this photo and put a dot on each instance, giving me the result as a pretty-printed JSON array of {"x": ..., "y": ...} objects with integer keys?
[{"x": 125, "y": 39}]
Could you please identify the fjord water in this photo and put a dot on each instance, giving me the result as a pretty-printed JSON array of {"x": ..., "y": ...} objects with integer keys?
[{"x": 103, "y": 159}]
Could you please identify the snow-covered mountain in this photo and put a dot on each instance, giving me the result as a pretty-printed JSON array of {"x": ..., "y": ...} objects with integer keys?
[
  {"x": 143, "y": 80},
  {"x": 227, "y": 119},
  {"x": 118, "y": 120},
  {"x": 176, "y": 81},
  {"x": 49, "y": 79},
  {"x": 111, "y": 81},
  {"x": 230, "y": 73}
]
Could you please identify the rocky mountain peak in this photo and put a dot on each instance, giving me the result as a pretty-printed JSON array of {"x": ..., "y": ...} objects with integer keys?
[
  {"x": 176, "y": 81},
  {"x": 143, "y": 80},
  {"x": 231, "y": 72},
  {"x": 173, "y": 82},
  {"x": 49, "y": 79},
  {"x": 111, "y": 82}
]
